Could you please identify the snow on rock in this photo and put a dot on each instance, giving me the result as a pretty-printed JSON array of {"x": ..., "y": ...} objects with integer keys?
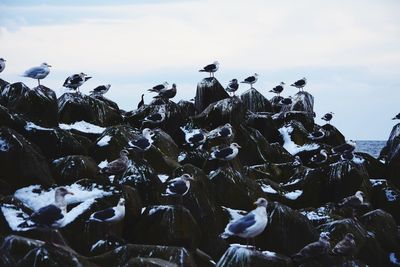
[
  {"x": 31, "y": 126},
  {"x": 234, "y": 214},
  {"x": 104, "y": 141},
  {"x": 163, "y": 177},
  {"x": 154, "y": 209},
  {"x": 289, "y": 145},
  {"x": 83, "y": 126},
  {"x": 103, "y": 164},
  {"x": 268, "y": 189},
  {"x": 294, "y": 194},
  {"x": 14, "y": 216},
  {"x": 4, "y": 146}
]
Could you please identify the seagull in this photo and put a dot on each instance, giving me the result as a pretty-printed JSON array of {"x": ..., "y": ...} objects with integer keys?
[
  {"x": 328, "y": 117},
  {"x": 76, "y": 80},
  {"x": 397, "y": 117},
  {"x": 250, "y": 225},
  {"x": 110, "y": 215},
  {"x": 300, "y": 83},
  {"x": 167, "y": 93},
  {"x": 232, "y": 86},
  {"x": 355, "y": 201},
  {"x": 348, "y": 146},
  {"x": 159, "y": 87},
  {"x": 251, "y": 80},
  {"x": 346, "y": 246},
  {"x": 38, "y": 73},
  {"x": 179, "y": 186},
  {"x": 101, "y": 90},
  {"x": 144, "y": 141},
  {"x": 320, "y": 158},
  {"x": 211, "y": 68},
  {"x": 141, "y": 103},
  {"x": 155, "y": 117},
  {"x": 227, "y": 153},
  {"x": 52, "y": 215},
  {"x": 118, "y": 166},
  {"x": 314, "y": 249},
  {"x": 317, "y": 135},
  {"x": 194, "y": 137},
  {"x": 347, "y": 155},
  {"x": 297, "y": 162},
  {"x": 286, "y": 101},
  {"x": 2, "y": 64},
  {"x": 224, "y": 131},
  {"x": 278, "y": 89}
]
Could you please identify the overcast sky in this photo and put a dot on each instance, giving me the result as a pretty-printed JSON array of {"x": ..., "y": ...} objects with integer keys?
[{"x": 348, "y": 50}]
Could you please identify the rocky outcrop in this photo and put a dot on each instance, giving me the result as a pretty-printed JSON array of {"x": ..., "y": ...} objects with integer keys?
[
  {"x": 209, "y": 90},
  {"x": 392, "y": 155},
  {"x": 255, "y": 101}
]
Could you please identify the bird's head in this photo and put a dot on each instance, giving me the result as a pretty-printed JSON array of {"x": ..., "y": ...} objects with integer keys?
[
  {"x": 148, "y": 132},
  {"x": 62, "y": 191},
  {"x": 304, "y": 79},
  {"x": 228, "y": 125},
  {"x": 235, "y": 145},
  {"x": 174, "y": 86},
  {"x": 124, "y": 153},
  {"x": 108, "y": 86},
  {"x": 166, "y": 84},
  {"x": 282, "y": 83},
  {"x": 82, "y": 74},
  {"x": 2, "y": 60},
  {"x": 187, "y": 177},
  {"x": 121, "y": 202},
  {"x": 255, "y": 74},
  {"x": 261, "y": 202},
  {"x": 360, "y": 195},
  {"x": 46, "y": 65},
  {"x": 216, "y": 63},
  {"x": 234, "y": 81},
  {"x": 324, "y": 236}
]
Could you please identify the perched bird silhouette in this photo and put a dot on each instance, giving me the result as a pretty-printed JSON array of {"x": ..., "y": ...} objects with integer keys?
[
  {"x": 76, "y": 80},
  {"x": 38, "y": 73},
  {"x": 300, "y": 84},
  {"x": 251, "y": 80},
  {"x": 101, "y": 90},
  {"x": 141, "y": 103},
  {"x": 328, "y": 117},
  {"x": 118, "y": 166},
  {"x": 278, "y": 89},
  {"x": 211, "y": 68},
  {"x": 2, "y": 64}
]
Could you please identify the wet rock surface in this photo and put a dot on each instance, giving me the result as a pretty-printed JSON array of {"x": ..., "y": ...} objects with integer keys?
[{"x": 78, "y": 135}]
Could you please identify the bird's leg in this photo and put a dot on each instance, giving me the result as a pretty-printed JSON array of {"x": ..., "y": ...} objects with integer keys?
[
  {"x": 247, "y": 243},
  {"x": 254, "y": 243},
  {"x": 38, "y": 82}
]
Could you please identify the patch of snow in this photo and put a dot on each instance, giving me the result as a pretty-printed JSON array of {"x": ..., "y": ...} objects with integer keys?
[
  {"x": 103, "y": 164},
  {"x": 97, "y": 244},
  {"x": 14, "y": 217},
  {"x": 159, "y": 207},
  {"x": 30, "y": 125},
  {"x": 269, "y": 253},
  {"x": 291, "y": 146},
  {"x": 316, "y": 215},
  {"x": 104, "y": 140},
  {"x": 163, "y": 177},
  {"x": 294, "y": 194},
  {"x": 4, "y": 146},
  {"x": 83, "y": 126},
  {"x": 268, "y": 189},
  {"x": 181, "y": 157},
  {"x": 76, "y": 211},
  {"x": 393, "y": 258},
  {"x": 294, "y": 181},
  {"x": 376, "y": 182},
  {"x": 358, "y": 160},
  {"x": 391, "y": 195},
  {"x": 143, "y": 209}
]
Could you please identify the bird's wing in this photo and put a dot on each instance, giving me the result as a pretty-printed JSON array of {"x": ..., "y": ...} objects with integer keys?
[
  {"x": 140, "y": 143},
  {"x": 250, "y": 79},
  {"x": 223, "y": 152},
  {"x": 34, "y": 71},
  {"x": 115, "y": 166},
  {"x": 315, "y": 248},
  {"x": 240, "y": 225},
  {"x": 103, "y": 214},
  {"x": 177, "y": 187},
  {"x": 47, "y": 215}
]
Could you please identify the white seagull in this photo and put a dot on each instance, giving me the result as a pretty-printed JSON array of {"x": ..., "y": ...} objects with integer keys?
[
  {"x": 38, "y": 73},
  {"x": 155, "y": 117},
  {"x": 300, "y": 83},
  {"x": 328, "y": 117},
  {"x": 224, "y": 131},
  {"x": 211, "y": 68},
  {"x": 143, "y": 142},
  {"x": 251, "y": 80},
  {"x": 194, "y": 137},
  {"x": 227, "y": 153},
  {"x": 179, "y": 186},
  {"x": 118, "y": 166},
  {"x": 76, "y": 80},
  {"x": 101, "y": 90},
  {"x": 110, "y": 215},
  {"x": 2, "y": 64},
  {"x": 250, "y": 225}
]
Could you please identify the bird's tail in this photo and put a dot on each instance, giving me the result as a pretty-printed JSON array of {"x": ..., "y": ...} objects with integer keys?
[
  {"x": 292, "y": 84},
  {"x": 393, "y": 118},
  {"x": 202, "y": 71},
  {"x": 224, "y": 235},
  {"x": 87, "y": 78}
]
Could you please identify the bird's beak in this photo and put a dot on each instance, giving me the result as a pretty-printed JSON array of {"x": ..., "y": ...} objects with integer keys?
[
  {"x": 255, "y": 203},
  {"x": 239, "y": 146},
  {"x": 49, "y": 66},
  {"x": 70, "y": 193}
]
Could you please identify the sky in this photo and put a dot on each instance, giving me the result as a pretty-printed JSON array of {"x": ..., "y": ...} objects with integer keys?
[{"x": 348, "y": 50}]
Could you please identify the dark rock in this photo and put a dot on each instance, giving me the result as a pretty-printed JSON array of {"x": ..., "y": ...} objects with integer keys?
[
  {"x": 266, "y": 126},
  {"x": 54, "y": 142},
  {"x": 187, "y": 108},
  {"x": 333, "y": 136},
  {"x": 276, "y": 103},
  {"x": 167, "y": 225},
  {"x": 38, "y": 104},
  {"x": 209, "y": 90},
  {"x": 22, "y": 163},
  {"x": 255, "y": 101},
  {"x": 70, "y": 169},
  {"x": 120, "y": 256},
  {"x": 11, "y": 120},
  {"x": 287, "y": 230},
  {"x": 302, "y": 117},
  {"x": 241, "y": 256},
  {"x": 230, "y": 110},
  {"x": 384, "y": 227},
  {"x": 21, "y": 251},
  {"x": 302, "y": 101},
  {"x": 75, "y": 107},
  {"x": 393, "y": 155},
  {"x": 233, "y": 189},
  {"x": 149, "y": 262},
  {"x": 254, "y": 148},
  {"x": 386, "y": 197},
  {"x": 375, "y": 168}
]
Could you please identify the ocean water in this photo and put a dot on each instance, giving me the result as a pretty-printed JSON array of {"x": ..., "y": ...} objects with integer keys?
[{"x": 371, "y": 147}]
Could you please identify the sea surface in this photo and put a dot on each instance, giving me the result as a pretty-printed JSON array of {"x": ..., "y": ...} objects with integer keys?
[{"x": 369, "y": 146}]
